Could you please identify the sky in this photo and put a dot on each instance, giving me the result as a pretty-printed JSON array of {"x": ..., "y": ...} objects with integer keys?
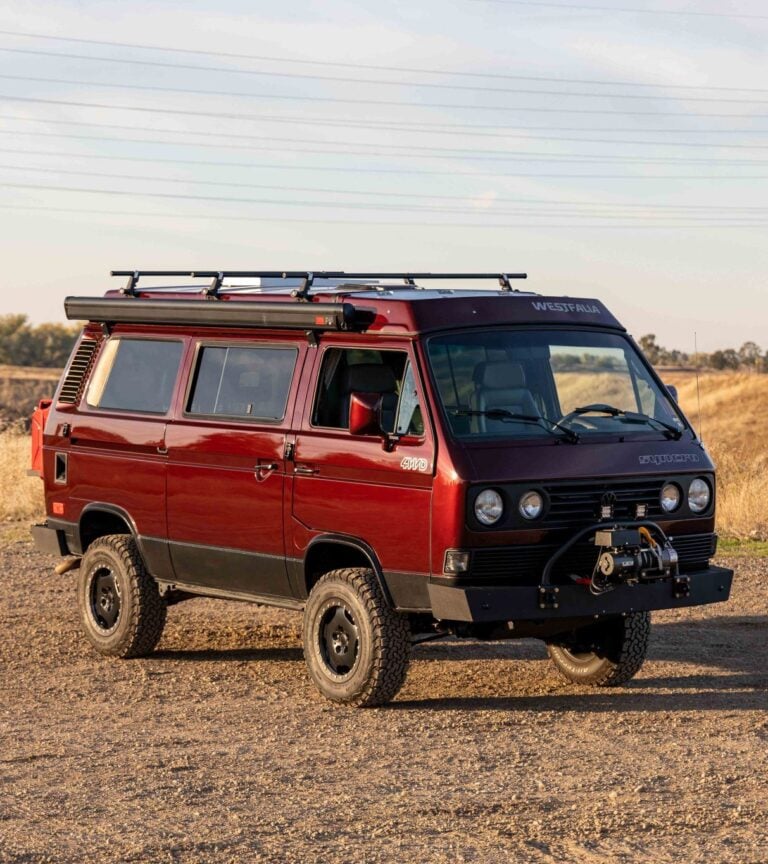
[{"x": 615, "y": 149}]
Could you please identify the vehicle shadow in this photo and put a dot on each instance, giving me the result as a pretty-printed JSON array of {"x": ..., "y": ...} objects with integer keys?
[
  {"x": 198, "y": 655},
  {"x": 733, "y": 647}
]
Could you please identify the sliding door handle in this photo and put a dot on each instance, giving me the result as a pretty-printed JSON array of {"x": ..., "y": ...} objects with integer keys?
[{"x": 304, "y": 470}]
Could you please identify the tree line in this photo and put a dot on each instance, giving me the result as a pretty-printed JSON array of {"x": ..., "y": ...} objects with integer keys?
[
  {"x": 750, "y": 357},
  {"x": 49, "y": 345},
  {"x": 25, "y": 344}
]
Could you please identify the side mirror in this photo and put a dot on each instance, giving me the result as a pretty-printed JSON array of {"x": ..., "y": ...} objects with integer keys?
[
  {"x": 364, "y": 414},
  {"x": 672, "y": 390}
]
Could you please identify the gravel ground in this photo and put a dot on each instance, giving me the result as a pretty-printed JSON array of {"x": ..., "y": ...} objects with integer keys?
[{"x": 217, "y": 748}]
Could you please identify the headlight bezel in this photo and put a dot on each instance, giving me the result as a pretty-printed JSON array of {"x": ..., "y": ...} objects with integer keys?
[
  {"x": 670, "y": 484},
  {"x": 485, "y": 520},
  {"x": 695, "y": 510},
  {"x": 520, "y": 505}
]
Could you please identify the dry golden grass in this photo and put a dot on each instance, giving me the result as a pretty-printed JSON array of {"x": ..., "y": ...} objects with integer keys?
[
  {"x": 21, "y": 388},
  {"x": 21, "y": 497},
  {"x": 734, "y": 424}
]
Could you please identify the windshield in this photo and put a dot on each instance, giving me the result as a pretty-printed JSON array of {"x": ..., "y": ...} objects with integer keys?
[{"x": 517, "y": 384}]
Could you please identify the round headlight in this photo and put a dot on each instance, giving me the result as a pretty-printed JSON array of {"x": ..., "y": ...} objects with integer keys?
[
  {"x": 699, "y": 495},
  {"x": 531, "y": 505},
  {"x": 670, "y": 497},
  {"x": 488, "y": 507}
]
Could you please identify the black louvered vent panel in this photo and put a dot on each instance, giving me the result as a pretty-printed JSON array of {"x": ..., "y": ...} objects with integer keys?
[
  {"x": 523, "y": 565},
  {"x": 78, "y": 369},
  {"x": 576, "y": 504}
]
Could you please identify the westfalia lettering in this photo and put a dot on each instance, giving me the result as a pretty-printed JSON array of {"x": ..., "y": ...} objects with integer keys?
[
  {"x": 668, "y": 458},
  {"x": 588, "y": 308}
]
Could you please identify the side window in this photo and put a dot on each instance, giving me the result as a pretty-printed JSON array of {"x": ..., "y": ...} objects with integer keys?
[
  {"x": 246, "y": 382},
  {"x": 135, "y": 375},
  {"x": 385, "y": 373}
]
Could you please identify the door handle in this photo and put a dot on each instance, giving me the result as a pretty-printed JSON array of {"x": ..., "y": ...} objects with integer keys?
[
  {"x": 264, "y": 469},
  {"x": 304, "y": 470},
  {"x": 162, "y": 450}
]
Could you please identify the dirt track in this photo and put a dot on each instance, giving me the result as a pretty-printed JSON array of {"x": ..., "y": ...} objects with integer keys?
[{"x": 217, "y": 748}]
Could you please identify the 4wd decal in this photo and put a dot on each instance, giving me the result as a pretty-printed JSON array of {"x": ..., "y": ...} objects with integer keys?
[
  {"x": 669, "y": 458},
  {"x": 414, "y": 463}
]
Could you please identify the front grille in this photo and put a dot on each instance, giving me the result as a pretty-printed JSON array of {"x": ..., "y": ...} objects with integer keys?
[
  {"x": 523, "y": 565},
  {"x": 576, "y": 504}
]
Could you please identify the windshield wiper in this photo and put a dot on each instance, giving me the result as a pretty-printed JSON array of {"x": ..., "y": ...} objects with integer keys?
[
  {"x": 504, "y": 415},
  {"x": 669, "y": 430}
]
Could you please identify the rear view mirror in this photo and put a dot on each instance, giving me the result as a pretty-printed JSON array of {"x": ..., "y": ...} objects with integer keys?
[
  {"x": 364, "y": 414},
  {"x": 672, "y": 390}
]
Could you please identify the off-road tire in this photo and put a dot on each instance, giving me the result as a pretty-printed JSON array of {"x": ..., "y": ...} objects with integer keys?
[
  {"x": 618, "y": 648},
  {"x": 116, "y": 562},
  {"x": 381, "y": 636}
]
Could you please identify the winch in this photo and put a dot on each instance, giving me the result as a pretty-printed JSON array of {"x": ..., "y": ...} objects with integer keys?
[{"x": 629, "y": 555}]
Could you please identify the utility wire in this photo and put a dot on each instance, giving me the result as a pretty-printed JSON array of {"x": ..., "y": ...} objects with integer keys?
[
  {"x": 294, "y": 61},
  {"x": 383, "y": 125},
  {"x": 546, "y": 207},
  {"x": 379, "y": 223},
  {"x": 387, "y": 192},
  {"x": 230, "y": 200},
  {"x": 346, "y": 100},
  {"x": 242, "y": 116},
  {"x": 426, "y": 152},
  {"x": 324, "y": 169},
  {"x": 581, "y": 7},
  {"x": 369, "y": 81}
]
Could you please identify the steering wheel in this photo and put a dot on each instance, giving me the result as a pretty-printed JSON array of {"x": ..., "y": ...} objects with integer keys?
[{"x": 576, "y": 418}]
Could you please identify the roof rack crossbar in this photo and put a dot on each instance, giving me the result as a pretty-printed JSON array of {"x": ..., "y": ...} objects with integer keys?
[{"x": 308, "y": 278}]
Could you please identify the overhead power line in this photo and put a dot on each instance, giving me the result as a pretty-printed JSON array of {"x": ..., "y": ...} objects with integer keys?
[
  {"x": 229, "y": 115},
  {"x": 357, "y": 223},
  {"x": 374, "y": 194},
  {"x": 344, "y": 79},
  {"x": 345, "y": 169},
  {"x": 303, "y": 61},
  {"x": 278, "y": 144},
  {"x": 419, "y": 126},
  {"x": 583, "y": 7},
  {"x": 347, "y": 100}
]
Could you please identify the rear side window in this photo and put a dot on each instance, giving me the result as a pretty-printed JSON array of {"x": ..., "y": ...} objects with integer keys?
[
  {"x": 242, "y": 382},
  {"x": 135, "y": 375}
]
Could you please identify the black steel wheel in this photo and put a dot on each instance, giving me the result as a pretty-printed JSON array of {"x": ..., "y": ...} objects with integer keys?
[
  {"x": 104, "y": 598},
  {"x": 356, "y": 645},
  {"x": 605, "y": 654},
  {"x": 121, "y": 609}
]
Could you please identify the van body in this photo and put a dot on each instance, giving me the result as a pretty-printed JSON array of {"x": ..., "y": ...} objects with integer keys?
[{"x": 400, "y": 463}]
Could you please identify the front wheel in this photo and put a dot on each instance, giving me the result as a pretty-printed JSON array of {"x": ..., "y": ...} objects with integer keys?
[
  {"x": 605, "y": 654},
  {"x": 356, "y": 645}
]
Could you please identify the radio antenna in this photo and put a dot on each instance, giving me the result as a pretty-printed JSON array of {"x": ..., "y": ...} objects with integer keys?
[{"x": 698, "y": 391}]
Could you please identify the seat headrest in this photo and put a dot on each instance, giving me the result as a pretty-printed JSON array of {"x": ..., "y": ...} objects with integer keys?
[
  {"x": 369, "y": 378},
  {"x": 499, "y": 376}
]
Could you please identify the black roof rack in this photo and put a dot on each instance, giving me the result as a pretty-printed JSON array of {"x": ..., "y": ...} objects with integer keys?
[{"x": 307, "y": 278}]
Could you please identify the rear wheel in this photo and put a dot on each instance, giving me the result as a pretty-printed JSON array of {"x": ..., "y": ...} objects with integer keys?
[
  {"x": 356, "y": 645},
  {"x": 121, "y": 609},
  {"x": 605, "y": 654}
]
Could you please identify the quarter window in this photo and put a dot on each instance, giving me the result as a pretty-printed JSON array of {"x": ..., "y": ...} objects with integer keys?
[
  {"x": 135, "y": 375},
  {"x": 242, "y": 382}
]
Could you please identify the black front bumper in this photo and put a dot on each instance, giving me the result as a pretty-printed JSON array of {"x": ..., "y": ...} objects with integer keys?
[{"x": 526, "y": 603}]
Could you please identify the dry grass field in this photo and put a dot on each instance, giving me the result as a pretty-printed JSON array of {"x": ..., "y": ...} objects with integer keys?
[
  {"x": 734, "y": 426},
  {"x": 734, "y": 412}
]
